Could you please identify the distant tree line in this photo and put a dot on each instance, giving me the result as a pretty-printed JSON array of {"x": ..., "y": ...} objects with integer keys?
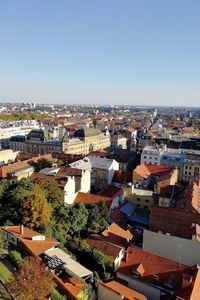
[{"x": 23, "y": 116}]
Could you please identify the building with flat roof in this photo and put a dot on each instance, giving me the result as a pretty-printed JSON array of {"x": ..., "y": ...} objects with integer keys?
[{"x": 151, "y": 155}]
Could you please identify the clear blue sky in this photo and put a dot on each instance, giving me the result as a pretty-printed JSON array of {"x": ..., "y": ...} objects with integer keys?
[{"x": 100, "y": 51}]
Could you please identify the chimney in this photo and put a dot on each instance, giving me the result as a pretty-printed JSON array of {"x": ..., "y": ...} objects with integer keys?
[
  {"x": 126, "y": 257},
  {"x": 22, "y": 229}
]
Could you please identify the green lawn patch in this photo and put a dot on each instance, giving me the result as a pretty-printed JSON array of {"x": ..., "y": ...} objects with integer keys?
[{"x": 5, "y": 274}]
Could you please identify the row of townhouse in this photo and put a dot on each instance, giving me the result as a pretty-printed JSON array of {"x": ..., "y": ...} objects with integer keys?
[{"x": 187, "y": 163}]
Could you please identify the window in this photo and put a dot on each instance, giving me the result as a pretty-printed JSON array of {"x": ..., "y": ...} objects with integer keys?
[
  {"x": 138, "y": 199},
  {"x": 138, "y": 205},
  {"x": 147, "y": 201},
  {"x": 145, "y": 157},
  {"x": 186, "y": 167},
  {"x": 156, "y": 158}
]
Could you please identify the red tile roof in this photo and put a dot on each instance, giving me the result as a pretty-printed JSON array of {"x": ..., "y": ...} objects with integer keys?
[
  {"x": 167, "y": 270},
  {"x": 122, "y": 177},
  {"x": 197, "y": 232},
  {"x": 145, "y": 170},
  {"x": 117, "y": 234},
  {"x": 70, "y": 286},
  {"x": 99, "y": 243},
  {"x": 112, "y": 192},
  {"x": 189, "y": 198},
  {"x": 122, "y": 290},
  {"x": 92, "y": 198},
  {"x": 117, "y": 217},
  {"x": 132, "y": 129},
  {"x": 5, "y": 170},
  {"x": 27, "y": 241},
  {"x": 167, "y": 191},
  {"x": 69, "y": 158},
  {"x": 67, "y": 171},
  {"x": 60, "y": 180}
]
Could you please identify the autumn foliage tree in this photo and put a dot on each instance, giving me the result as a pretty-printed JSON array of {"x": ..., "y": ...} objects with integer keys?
[
  {"x": 31, "y": 281},
  {"x": 34, "y": 210},
  {"x": 54, "y": 195}
]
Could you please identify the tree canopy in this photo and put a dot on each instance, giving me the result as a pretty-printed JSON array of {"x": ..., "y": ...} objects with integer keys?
[
  {"x": 35, "y": 210},
  {"x": 3, "y": 243},
  {"x": 31, "y": 281},
  {"x": 42, "y": 164},
  {"x": 23, "y": 116}
]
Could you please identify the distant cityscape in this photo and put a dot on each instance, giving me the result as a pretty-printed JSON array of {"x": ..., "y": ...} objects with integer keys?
[{"x": 103, "y": 200}]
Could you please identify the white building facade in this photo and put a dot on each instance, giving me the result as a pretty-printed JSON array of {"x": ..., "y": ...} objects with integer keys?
[{"x": 151, "y": 155}]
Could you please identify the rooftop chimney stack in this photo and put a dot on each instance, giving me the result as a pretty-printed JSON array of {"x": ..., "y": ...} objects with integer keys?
[
  {"x": 126, "y": 256},
  {"x": 22, "y": 229}
]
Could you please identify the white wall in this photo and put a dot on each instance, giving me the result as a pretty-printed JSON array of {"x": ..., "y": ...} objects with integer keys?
[
  {"x": 118, "y": 259},
  {"x": 69, "y": 191},
  {"x": 181, "y": 250},
  {"x": 150, "y": 156},
  {"x": 8, "y": 154},
  {"x": 114, "y": 167},
  {"x": 152, "y": 293},
  {"x": 85, "y": 181}
]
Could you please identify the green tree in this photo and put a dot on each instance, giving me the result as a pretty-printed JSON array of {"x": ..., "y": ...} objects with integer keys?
[
  {"x": 23, "y": 116},
  {"x": 42, "y": 164},
  {"x": 98, "y": 217},
  {"x": 54, "y": 195},
  {"x": 3, "y": 243},
  {"x": 34, "y": 210},
  {"x": 83, "y": 295},
  {"x": 95, "y": 122},
  {"x": 11, "y": 194},
  {"x": 15, "y": 257},
  {"x": 104, "y": 262},
  {"x": 55, "y": 295},
  {"x": 77, "y": 219}
]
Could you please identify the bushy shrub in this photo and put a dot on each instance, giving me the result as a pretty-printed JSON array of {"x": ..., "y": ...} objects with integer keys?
[
  {"x": 15, "y": 258},
  {"x": 55, "y": 295}
]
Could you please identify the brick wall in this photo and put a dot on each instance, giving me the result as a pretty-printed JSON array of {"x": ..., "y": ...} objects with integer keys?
[{"x": 170, "y": 219}]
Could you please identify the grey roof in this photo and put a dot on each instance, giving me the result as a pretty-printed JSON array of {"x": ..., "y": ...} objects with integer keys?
[
  {"x": 90, "y": 162},
  {"x": 86, "y": 132},
  {"x": 17, "y": 138},
  {"x": 38, "y": 134},
  {"x": 100, "y": 163},
  {"x": 71, "y": 266}
]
